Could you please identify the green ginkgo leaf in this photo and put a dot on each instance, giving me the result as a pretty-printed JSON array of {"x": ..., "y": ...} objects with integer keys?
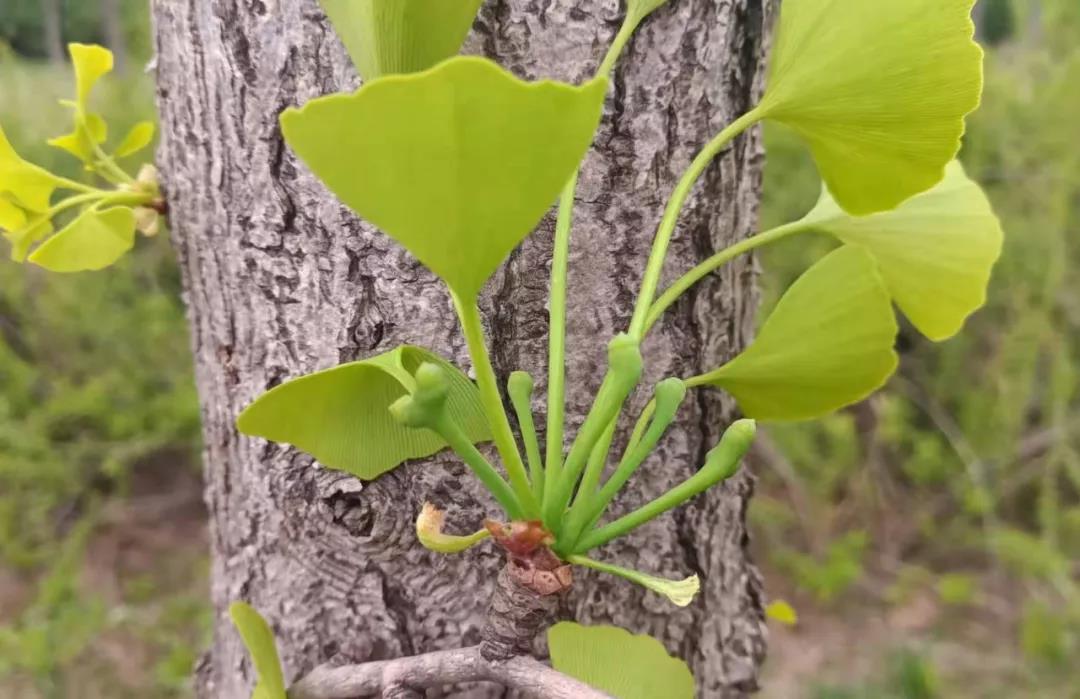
[
  {"x": 385, "y": 37},
  {"x": 828, "y": 343},
  {"x": 91, "y": 63},
  {"x": 622, "y": 664},
  {"x": 259, "y": 640},
  {"x": 137, "y": 138},
  {"x": 341, "y": 416},
  {"x": 458, "y": 164},
  {"x": 21, "y": 230},
  {"x": 879, "y": 90},
  {"x": 25, "y": 184},
  {"x": 81, "y": 141},
  {"x": 936, "y": 251},
  {"x": 93, "y": 241}
]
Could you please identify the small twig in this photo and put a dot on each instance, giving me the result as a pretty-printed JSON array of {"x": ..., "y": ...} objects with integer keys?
[{"x": 406, "y": 676}]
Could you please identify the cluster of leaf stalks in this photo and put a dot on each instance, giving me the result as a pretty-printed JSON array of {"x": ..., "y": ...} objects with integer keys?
[
  {"x": 916, "y": 232},
  {"x": 458, "y": 161}
]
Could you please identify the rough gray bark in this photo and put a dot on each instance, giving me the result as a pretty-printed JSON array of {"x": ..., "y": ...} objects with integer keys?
[{"x": 282, "y": 280}]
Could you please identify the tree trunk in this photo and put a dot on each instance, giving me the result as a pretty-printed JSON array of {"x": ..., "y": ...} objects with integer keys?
[
  {"x": 282, "y": 280},
  {"x": 53, "y": 18}
]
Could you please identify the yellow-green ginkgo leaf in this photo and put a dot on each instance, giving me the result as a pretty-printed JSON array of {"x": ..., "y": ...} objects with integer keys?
[
  {"x": 259, "y": 640},
  {"x": 91, "y": 63},
  {"x": 20, "y": 230},
  {"x": 458, "y": 164},
  {"x": 827, "y": 344},
  {"x": 93, "y": 241},
  {"x": 341, "y": 416},
  {"x": 24, "y": 237},
  {"x": 82, "y": 140},
  {"x": 617, "y": 662},
  {"x": 137, "y": 138},
  {"x": 26, "y": 184},
  {"x": 385, "y": 37},
  {"x": 936, "y": 251},
  {"x": 879, "y": 90}
]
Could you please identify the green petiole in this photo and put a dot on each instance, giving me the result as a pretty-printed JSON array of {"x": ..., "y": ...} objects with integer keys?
[
  {"x": 688, "y": 280},
  {"x": 520, "y": 389},
  {"x": 425, "y": 408},
  {"x": 463, "y": 447},
  {"x": 675, "y": 204},
  {"x": 720, "y": 464},
  {"x": 624, "y": 370},
  {"x": 560, "y": 261},
  {"x": 587, "y": 510},
  {"x": 473, "y": 328}
]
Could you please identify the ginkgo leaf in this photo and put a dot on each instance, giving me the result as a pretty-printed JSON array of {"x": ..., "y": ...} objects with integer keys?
[
  {"x": 936, "y": 251},
  {"x": 24, "y": 238},
  {"x": 385, "y": 37},
  {"x": 458, "y": 164},
  {"x": 91, "y": 63},
  {"x": 879, "y": 90},
  {"x": 341, "y": 416},
  {"x": 622, "y": 664},
  {"x": 93, "y": 241},
  {"x": 137, "y": 138},
  {"x": 828, "y": 343},
  {"x": 679, "y": 592},
  {"x": 81, "y": 142},
  {"x": 26, "y": 184},
  {"x": 259, "y": 640}
]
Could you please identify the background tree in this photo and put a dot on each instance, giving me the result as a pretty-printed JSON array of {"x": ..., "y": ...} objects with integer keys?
[{"x": 282, "y": 280}]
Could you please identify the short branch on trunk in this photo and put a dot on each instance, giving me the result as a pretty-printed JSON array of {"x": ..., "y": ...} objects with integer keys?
[
  {"x": 405, "y": 677},
  {"x": 524, "y": 601}
]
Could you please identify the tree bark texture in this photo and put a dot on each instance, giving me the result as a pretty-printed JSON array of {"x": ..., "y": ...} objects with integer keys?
[{"x": 282, "y": 280}]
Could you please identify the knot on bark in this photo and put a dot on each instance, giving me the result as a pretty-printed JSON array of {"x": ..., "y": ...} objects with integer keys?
[{"x": 517, "y": 613}]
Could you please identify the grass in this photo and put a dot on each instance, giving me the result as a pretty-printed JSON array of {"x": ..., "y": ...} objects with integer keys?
[{"x": 98, "y": 414}]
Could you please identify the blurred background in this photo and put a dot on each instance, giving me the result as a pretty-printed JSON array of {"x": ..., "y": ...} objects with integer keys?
[{"x": 928, "y": 540}]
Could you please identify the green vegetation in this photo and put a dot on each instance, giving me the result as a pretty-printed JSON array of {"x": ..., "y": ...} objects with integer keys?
[
  {"x": 97, "y": 414},
  {"x": 967, "y": 468}
]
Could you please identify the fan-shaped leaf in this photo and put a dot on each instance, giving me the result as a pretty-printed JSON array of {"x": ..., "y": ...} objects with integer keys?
[
  {"x": 457, "y": 164},
  {"x": 91, "y": 63},
  {"x": 827, "y": 344},
  {"x": 384, "y": 37},
  {"x": 619, "y": 663},
  {"x": 259, "y": 641},
  {"x": 93, "y": 241},
  {"x": 935, "y": 251},
  {"x": 80, "y": 142},
  {"x": 341, "y": 415},
  {"x": 137, "y": 138},
  {"x": 27, "y": 185},
  {"x": 879, "y": 90}
]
